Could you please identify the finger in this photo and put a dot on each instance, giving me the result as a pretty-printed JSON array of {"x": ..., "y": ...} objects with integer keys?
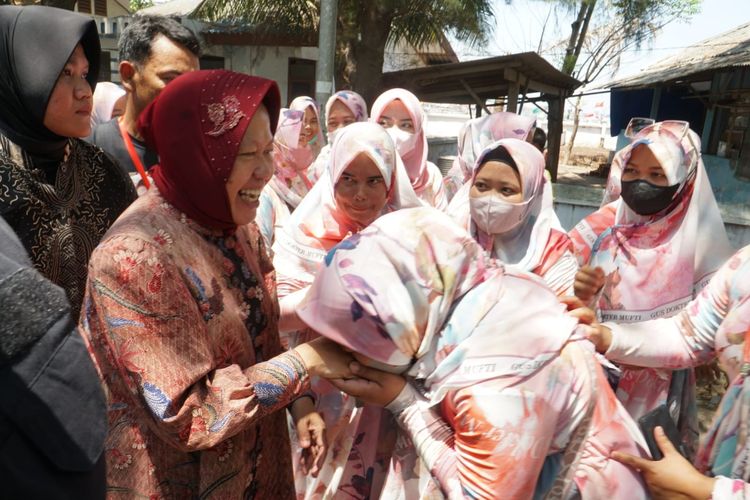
[
  {"x": 572, "y": 302},
  {"x": 366, "y": 372},
  {"x": 588, "y": 279},
  {"x": 319, "y": 455},
  {"x": 354, "y": 386},
  {"x": 665, "y": 445},
  {"x": 304, "y": 462},
  {"x": 319, "y": 432},
  {"x": 638, "y": 463},
  {"x": 584, "y": 315},
  {"x": 303, "y": 432}
]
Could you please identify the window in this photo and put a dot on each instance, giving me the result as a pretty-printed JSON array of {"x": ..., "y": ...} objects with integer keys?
[
  {"x": 301, "y": 78},
  {"x": 114, "y": 27},
  {"x": 105, "y": 70},
  {"x": 211, "y": 62}
]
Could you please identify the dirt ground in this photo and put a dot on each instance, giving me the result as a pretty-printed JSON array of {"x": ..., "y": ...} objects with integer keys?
[
  {"x": 711, "y": 385},
  {"x": 587, "y": 167}
]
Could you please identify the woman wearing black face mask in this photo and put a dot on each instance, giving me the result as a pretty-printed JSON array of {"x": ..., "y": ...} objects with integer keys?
[{"x": 650, "y": 248}]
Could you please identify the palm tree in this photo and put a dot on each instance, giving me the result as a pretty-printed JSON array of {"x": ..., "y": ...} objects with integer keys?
[{"x": 364, "y": 28}]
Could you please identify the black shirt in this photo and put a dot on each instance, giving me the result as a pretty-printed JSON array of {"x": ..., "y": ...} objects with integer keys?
[{"x": 107, "y": 136}]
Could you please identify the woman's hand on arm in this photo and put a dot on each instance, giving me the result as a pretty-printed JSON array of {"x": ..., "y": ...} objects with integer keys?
[
  {"x": 325, "y": 358},
  {"x": 598, "y": 334},
  {"x": 370, "y": 385}
]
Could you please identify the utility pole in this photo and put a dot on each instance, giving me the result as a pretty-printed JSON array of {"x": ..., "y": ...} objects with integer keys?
[{"x": 326, "y": 51}]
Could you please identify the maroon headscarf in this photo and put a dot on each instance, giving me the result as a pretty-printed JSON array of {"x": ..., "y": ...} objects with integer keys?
[{"x": 196, "y": 125}]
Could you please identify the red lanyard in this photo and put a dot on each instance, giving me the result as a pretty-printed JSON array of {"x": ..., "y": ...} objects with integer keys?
[{"x": 133, "y": 156}]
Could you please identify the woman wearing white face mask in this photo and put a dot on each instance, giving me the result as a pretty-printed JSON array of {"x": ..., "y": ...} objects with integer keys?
[
  {"x": 342, "y": 108},
  {"x": 401, "y": 114},
  {"x": 505, "y": 209}
]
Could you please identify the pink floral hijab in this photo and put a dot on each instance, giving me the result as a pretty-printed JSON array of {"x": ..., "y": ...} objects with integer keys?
[
  {"x": 415, "y": 160},
  {"x": 476, "y": 135},
  {"x": 655, "y": 264},
  {"x": 351, "y": 100},
  {"x": 528, "y": 245},
  {"x": 302, "y": 103},
  {"x": 318, "y": 223},
  {"x": 291, "y": 159},
  {"x": 416, "y": 292}
]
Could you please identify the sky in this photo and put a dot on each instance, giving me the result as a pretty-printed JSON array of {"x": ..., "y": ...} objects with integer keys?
[{"x": 519, "y": 26}]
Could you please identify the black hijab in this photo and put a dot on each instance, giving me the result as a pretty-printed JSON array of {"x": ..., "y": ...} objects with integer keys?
[{"x": 35, "y": 44}]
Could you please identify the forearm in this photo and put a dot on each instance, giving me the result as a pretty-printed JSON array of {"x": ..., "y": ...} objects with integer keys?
[
  {"x": 432, "y": 438},
  {"x": 288, "y": 320},
  {"x": 682, "y": 341}
]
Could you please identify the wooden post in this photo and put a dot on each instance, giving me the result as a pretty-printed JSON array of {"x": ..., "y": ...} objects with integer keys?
[
  {"x": 655, "y": 103},
  {"x": 474, "y": 96},
  {"x": 554, "y": 133},
  {"x": 513, "y": 89}
]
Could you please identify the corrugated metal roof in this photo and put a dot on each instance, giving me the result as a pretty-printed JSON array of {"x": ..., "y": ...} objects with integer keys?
[
  {"x": 728, "y": 50},
  {"x": 488, "y": 78}
]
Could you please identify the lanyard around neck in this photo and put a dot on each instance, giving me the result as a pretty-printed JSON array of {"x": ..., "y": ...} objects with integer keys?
[{"x": 133, "y": 155}]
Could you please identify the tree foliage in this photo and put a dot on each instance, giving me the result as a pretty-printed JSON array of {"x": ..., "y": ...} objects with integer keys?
[
  {"x": 633, "y": 21},
  {"x": 364, "y": 27},
  {"x": 136, "y": 5}
]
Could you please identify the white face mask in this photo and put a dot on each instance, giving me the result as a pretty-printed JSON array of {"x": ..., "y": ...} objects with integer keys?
[
  {"x": 494, "y": 215},
  {"x": 403, "y": 140},
  {"x": 332, "y": 135}
]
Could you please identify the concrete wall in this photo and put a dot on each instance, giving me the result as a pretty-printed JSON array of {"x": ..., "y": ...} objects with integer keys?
[
  {"x": 573, "y": 203},
  {"x": 265, "y": 61}
]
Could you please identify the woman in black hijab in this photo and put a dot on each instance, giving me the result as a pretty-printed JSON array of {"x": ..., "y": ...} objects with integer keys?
[{"x": 57, "y": 192}]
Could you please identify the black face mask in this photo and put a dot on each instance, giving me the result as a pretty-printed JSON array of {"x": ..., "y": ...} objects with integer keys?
[{"x": 645, "y": 198}]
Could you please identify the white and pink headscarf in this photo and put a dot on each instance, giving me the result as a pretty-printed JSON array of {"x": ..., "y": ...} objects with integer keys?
[
  {"x": 318, "y": 223},
  {"x": 302, "y": 103},
  {"x": 106, "y": 95},
  {"x": 426, "y": 178},
  {"x": 291, "y": 160},
  {"x": 416, "y": 292},
  {"x": 476, "y": 135},
  {"x": 539, "y": 239},
  {"x": 357, "y": 106},
  {"x": 655, "y": 264},
  {"x": 355, "y": 102}
]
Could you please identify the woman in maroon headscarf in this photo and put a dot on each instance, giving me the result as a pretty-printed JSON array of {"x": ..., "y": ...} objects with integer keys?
[{"x": 180, "y": 312}]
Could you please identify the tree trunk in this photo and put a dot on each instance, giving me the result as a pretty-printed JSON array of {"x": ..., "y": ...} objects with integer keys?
[
  {"x": 578, "y": 30},
  {"x": 368, "y": 49},
  {"x": 576, "y": 121}
]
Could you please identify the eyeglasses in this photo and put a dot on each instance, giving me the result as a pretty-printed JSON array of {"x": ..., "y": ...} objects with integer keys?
[
  {"x": 635, "y": 125},
  {"x": 678, "y": 128}
]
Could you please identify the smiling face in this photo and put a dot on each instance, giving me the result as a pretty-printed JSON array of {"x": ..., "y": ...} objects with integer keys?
[
  {"x": 310, "y": 126},
  {"x": 499, "y": 179},
  {"x": 643, "y": 165},
  {"x": 361, "y": 192},
  {"x": 68, "y": 112},
  {"x": 252, "y": 169},
  {"x": 396, "y": 115},
  {"x": 339, "y": 117}
]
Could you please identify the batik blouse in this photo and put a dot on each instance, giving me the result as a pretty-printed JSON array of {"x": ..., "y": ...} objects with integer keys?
[{"x": 181, "y": 322}]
